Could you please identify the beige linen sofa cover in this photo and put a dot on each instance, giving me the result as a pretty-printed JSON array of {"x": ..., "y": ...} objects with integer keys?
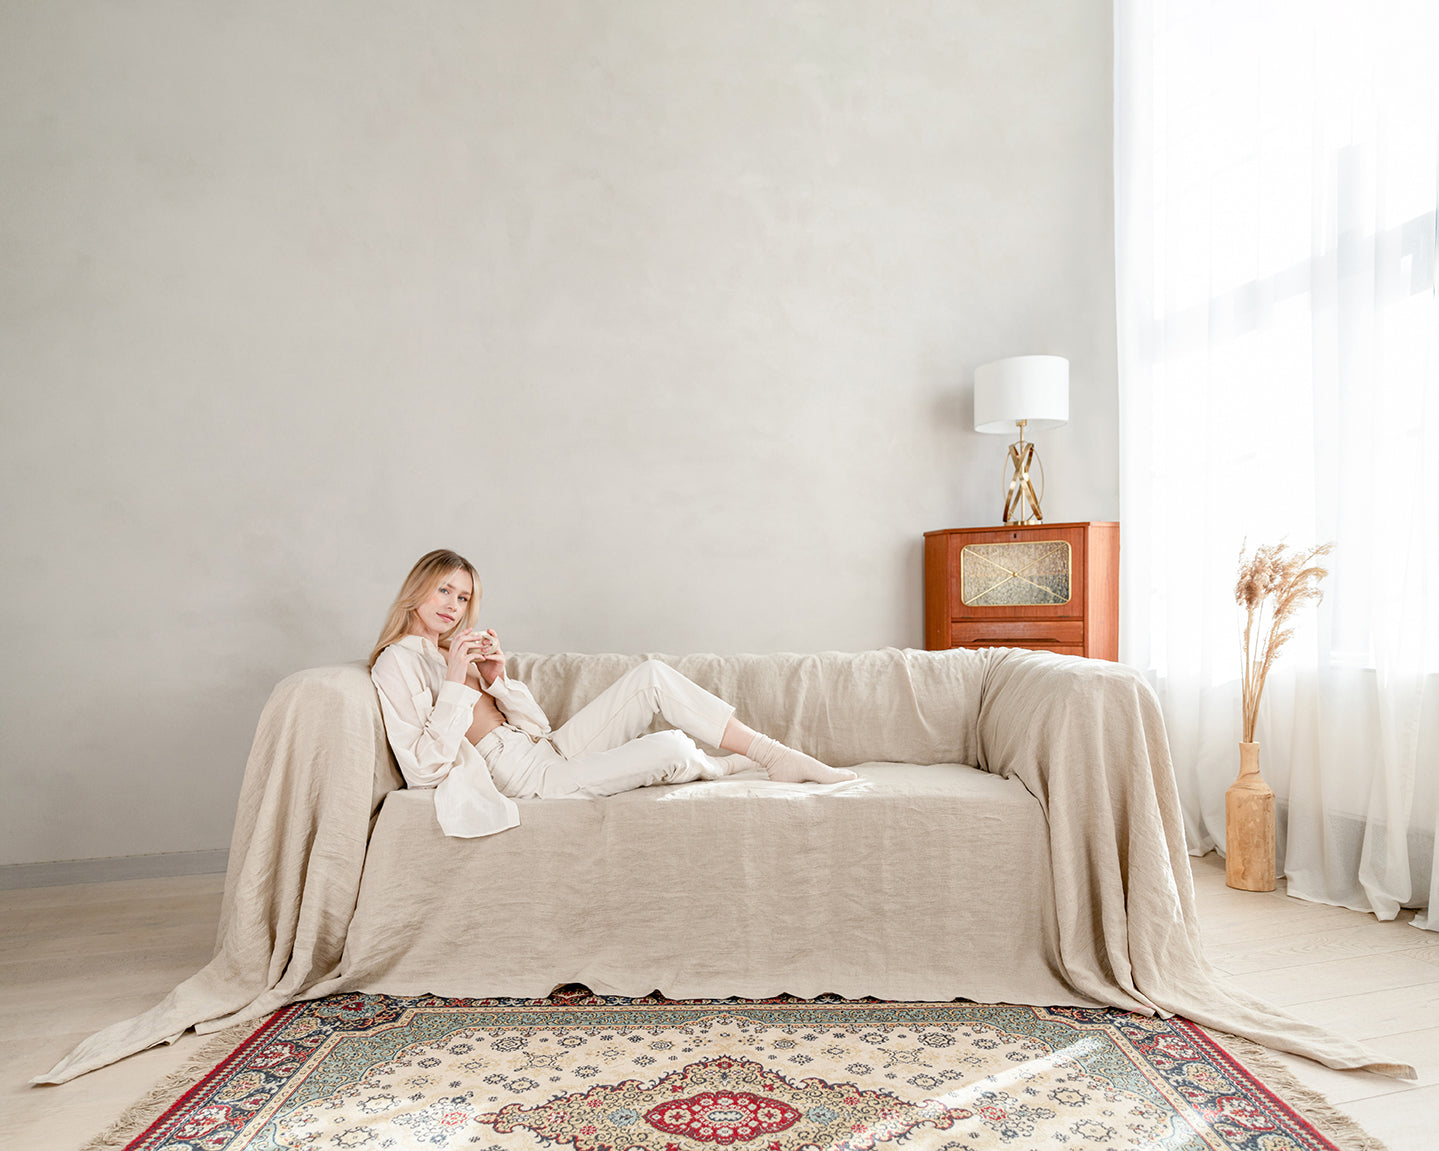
[{"x": 1051, "y": 870}]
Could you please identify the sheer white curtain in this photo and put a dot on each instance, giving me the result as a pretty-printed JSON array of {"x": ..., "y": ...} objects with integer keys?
[{"x": 1275, "y": 183}]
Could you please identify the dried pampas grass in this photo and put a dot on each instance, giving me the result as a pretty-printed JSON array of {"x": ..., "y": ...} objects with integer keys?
[{"x": 1276, "y": 581}]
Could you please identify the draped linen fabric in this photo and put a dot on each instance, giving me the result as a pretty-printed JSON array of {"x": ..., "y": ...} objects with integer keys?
[
  {"x": 1279, "y": 381},
  {"x": 1029, "y": 850}
]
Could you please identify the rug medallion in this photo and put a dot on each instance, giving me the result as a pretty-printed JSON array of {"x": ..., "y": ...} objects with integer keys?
[{"x": 606, "y": 1073}]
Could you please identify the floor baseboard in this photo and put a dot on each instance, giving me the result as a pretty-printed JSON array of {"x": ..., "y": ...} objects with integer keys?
[{"x": 63, "y": 872}]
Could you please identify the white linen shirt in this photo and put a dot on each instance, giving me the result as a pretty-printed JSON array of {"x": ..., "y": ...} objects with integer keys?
[{"x": 426, "y": 717}]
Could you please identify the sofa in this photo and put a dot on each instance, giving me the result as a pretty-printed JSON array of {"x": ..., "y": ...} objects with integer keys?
[{"x": 1014, "y": 836}]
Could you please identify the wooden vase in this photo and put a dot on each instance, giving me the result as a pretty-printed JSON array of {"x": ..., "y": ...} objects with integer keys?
[{"x": 1249, "y": 826}]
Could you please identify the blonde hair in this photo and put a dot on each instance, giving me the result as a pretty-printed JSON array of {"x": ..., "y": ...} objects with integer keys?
[{"x": 428, "y": 573}]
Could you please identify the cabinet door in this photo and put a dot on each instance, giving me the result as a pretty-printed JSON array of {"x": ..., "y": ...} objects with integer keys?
[{"x": 1017, "y": 574}]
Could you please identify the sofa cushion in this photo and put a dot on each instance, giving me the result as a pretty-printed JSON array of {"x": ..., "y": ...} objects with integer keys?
[
  {"x": 913, "y": 883},
  {"x": 845, "y": 708}
]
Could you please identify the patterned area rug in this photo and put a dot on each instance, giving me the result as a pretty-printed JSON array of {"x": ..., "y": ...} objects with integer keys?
[{"x": 607, "y": 1074}]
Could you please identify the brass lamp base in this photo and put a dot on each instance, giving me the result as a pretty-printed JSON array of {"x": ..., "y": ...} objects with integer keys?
[{"x": 1021, "y": 502}]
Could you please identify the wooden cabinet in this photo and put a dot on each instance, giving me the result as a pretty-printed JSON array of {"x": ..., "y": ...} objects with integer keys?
[{"x": 1049, "y": 586}]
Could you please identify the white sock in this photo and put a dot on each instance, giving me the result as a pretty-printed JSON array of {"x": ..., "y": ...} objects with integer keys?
[
  {"x": 723, "y": 766},
  {"x": 785, "y": 765},
  {"x": 734, "y": 764}
]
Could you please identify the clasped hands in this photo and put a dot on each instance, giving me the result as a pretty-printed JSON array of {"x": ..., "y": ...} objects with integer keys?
[{"x": 481, "y": 648}]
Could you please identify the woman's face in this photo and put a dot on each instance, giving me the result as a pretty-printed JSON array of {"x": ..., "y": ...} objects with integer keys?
[{"x": 445, "y": 606}]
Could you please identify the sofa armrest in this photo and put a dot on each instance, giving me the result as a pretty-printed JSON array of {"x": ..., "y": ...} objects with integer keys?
[
  {"x": 318, "y": 771},
  {"x": 1086, "y": 737}
]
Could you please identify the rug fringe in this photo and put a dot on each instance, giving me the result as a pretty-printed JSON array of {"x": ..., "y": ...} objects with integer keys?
[
  {"x": 138, "y": 1116},
  {"x": 1321, "y": 1114}
]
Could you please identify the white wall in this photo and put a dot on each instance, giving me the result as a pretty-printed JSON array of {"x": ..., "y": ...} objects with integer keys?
[{"x": 663, "y": 311}]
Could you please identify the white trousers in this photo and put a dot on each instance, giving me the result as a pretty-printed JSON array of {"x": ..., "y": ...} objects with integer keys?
[{"x": 601, "y": 750}]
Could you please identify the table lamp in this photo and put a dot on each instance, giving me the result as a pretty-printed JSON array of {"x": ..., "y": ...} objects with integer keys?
[{"x": 1022, "y": 390}]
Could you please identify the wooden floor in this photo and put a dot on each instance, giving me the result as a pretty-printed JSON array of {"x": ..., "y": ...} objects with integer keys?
[{"x": 73, "y": 959}]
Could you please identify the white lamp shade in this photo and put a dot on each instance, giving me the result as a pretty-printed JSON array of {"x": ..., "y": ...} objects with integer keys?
[{"x": 1030, "y": 388}]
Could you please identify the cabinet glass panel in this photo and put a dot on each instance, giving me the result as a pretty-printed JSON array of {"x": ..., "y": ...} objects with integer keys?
[{"x": 1015, "y": 574}]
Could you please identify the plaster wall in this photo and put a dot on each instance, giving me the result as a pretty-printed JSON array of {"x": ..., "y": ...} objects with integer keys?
[{"x": 665, "y": 312}]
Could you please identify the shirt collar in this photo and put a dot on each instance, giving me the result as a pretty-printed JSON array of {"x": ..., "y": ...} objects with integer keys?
[{"x": 420, "y": 644}]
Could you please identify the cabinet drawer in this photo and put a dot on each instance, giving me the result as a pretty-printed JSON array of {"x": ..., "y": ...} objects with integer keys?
[
  {"x": 1048, "y": 633},
  {"x": 1056, "y": 648}
]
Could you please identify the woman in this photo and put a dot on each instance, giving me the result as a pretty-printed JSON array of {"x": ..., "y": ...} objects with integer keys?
[{"x": 458, "y": 724}]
